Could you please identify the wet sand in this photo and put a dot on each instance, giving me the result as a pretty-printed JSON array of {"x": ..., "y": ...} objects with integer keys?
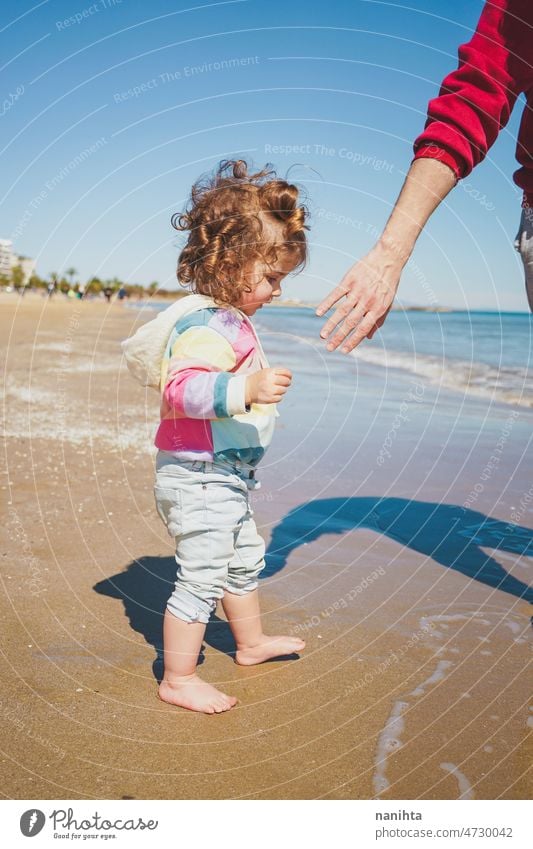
[{"x": 416, "y": 680}]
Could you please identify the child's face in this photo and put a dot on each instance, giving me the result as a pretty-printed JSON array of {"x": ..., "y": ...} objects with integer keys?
[{"x": 265, "y": 281}]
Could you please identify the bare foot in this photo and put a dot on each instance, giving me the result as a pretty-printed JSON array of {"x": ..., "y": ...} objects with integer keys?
[
  {"x": 194, "y": 694},
  {"x": 267, "y": 648}
]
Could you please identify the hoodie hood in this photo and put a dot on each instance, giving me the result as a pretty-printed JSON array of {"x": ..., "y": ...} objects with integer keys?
[{"x": 145, "y": 349}]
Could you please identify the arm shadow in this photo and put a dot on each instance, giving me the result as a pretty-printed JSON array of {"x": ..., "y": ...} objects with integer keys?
[{"x": 450, "y": 535}]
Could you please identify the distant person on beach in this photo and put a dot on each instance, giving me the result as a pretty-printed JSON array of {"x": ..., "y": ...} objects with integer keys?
[
  {"x": 474, "y": 104},
  {"x": 121, "y": 294},
  {"x": 108, "y": 292},
  {"x": 219, "y": 395},
  {"x": 51, "y": 288}
]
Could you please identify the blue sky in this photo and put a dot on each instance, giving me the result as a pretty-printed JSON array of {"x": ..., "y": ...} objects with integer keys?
[{"x": 112, "y": 109}]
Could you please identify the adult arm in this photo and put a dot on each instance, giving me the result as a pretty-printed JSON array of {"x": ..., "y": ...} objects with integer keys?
[
  {"x": 369, "y": 286},
  {"x": 474, "y": 103}
]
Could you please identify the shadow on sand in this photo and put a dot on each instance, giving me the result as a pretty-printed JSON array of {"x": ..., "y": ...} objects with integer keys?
[{"x": 448, "y": 534}]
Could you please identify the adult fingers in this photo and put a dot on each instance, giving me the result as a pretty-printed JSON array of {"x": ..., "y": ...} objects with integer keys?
[
  {"x": 379, "y": 323},
  {"x": 362, "y": 330},
  {"x": 354, "y": 298},
  {"x": 349, "y": 324},
  {"x": 335, "y": 295}
]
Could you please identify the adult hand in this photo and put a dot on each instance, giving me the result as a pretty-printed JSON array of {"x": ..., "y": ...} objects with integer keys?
[
  {"x": 267, "y": 386},
  {"x": 368, "y": 289}
]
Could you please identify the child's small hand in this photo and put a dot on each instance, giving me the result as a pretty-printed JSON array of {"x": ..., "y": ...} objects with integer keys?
[{"x": 267, "y": 386}]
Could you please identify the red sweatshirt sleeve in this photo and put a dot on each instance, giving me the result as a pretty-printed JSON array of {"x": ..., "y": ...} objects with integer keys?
[{"x": 476, "y": 100}]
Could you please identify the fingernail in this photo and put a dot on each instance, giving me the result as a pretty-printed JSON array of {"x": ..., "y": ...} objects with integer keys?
[
  {"x": 329, "y": 347},
  {"x": 323, "y": 335}
]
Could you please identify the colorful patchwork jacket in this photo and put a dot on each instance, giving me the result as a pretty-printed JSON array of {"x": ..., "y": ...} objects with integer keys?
[{"x": 204, "y": 416}]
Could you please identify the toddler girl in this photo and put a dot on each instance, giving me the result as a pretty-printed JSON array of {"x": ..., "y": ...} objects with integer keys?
[{"x": 246, "y": 233}]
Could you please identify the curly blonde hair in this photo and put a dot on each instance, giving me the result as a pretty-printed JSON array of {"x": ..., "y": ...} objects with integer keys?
[{"x": 235, "y": 218}]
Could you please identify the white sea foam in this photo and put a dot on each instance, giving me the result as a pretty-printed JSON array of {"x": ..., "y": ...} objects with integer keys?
[
  {"x": 127, "y": 439},
  {"x": 511, "y": 385},
  {"x": 465, "y": 788},
  {"x": 508, "y": 385},
  {"x": 441, "y": 617},
  {"x": 92, "y": 366},
  {"x": 34, "y": 412},
  {"x": 390, "y": 738},
  {"x": 30, "y": 394},
  {"x": 434, "y": 678},
  {"x": 389, "y": 741}
]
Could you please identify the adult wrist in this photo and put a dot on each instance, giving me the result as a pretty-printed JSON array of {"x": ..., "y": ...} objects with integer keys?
[{"x": 395, "y": 250}]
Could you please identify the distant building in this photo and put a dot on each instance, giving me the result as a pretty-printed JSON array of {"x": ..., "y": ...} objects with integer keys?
[
  {"x": 8, "y": 259},
  {"x": 27, "y": 265},
  {"x": 6, "y": 252}
]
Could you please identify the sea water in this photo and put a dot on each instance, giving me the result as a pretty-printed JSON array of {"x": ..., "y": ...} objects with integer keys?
[{"x": 482, "y": 353}]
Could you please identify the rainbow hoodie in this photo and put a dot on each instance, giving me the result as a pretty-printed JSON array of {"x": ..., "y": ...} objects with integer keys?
[{"x": 203, "y": 368}]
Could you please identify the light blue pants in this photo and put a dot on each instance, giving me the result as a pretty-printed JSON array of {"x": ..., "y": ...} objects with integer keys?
[{"x": 206, "y": 508}]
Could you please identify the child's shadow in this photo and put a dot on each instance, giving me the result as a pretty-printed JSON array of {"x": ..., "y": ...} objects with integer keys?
[
  {"x": 448, "y": 534},
  {"x": 145, "y": 587}
]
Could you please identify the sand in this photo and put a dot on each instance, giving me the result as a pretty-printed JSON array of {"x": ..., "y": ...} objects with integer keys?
[{"x": 416, "y": 680}]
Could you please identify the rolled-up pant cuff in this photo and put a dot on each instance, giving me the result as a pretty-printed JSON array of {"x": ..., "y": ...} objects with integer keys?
[
  {"x": 189, "y": 607},
  {"x": 241, "y": 589}
]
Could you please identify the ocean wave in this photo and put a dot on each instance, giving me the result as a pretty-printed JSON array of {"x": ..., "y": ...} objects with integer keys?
[
  {"x": 503, "y": 384},
  {"x": 506, "y": 385}
]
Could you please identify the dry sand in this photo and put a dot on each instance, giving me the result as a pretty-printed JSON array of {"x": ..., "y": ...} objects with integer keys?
[{"x": 415, "y": 679}]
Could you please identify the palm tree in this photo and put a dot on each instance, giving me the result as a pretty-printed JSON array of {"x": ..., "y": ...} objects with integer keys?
[
  {"x": 94, "y": 285},
  {"x": 36, "y": 282}
]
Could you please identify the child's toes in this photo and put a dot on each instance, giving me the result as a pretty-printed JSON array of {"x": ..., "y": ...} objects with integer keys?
[
  {"x": 294, "y": 642},
  {"x": 224, "y": 703}
]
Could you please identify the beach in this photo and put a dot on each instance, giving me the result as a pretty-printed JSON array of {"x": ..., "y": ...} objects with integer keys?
[{"x": 398, "y": 513}]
